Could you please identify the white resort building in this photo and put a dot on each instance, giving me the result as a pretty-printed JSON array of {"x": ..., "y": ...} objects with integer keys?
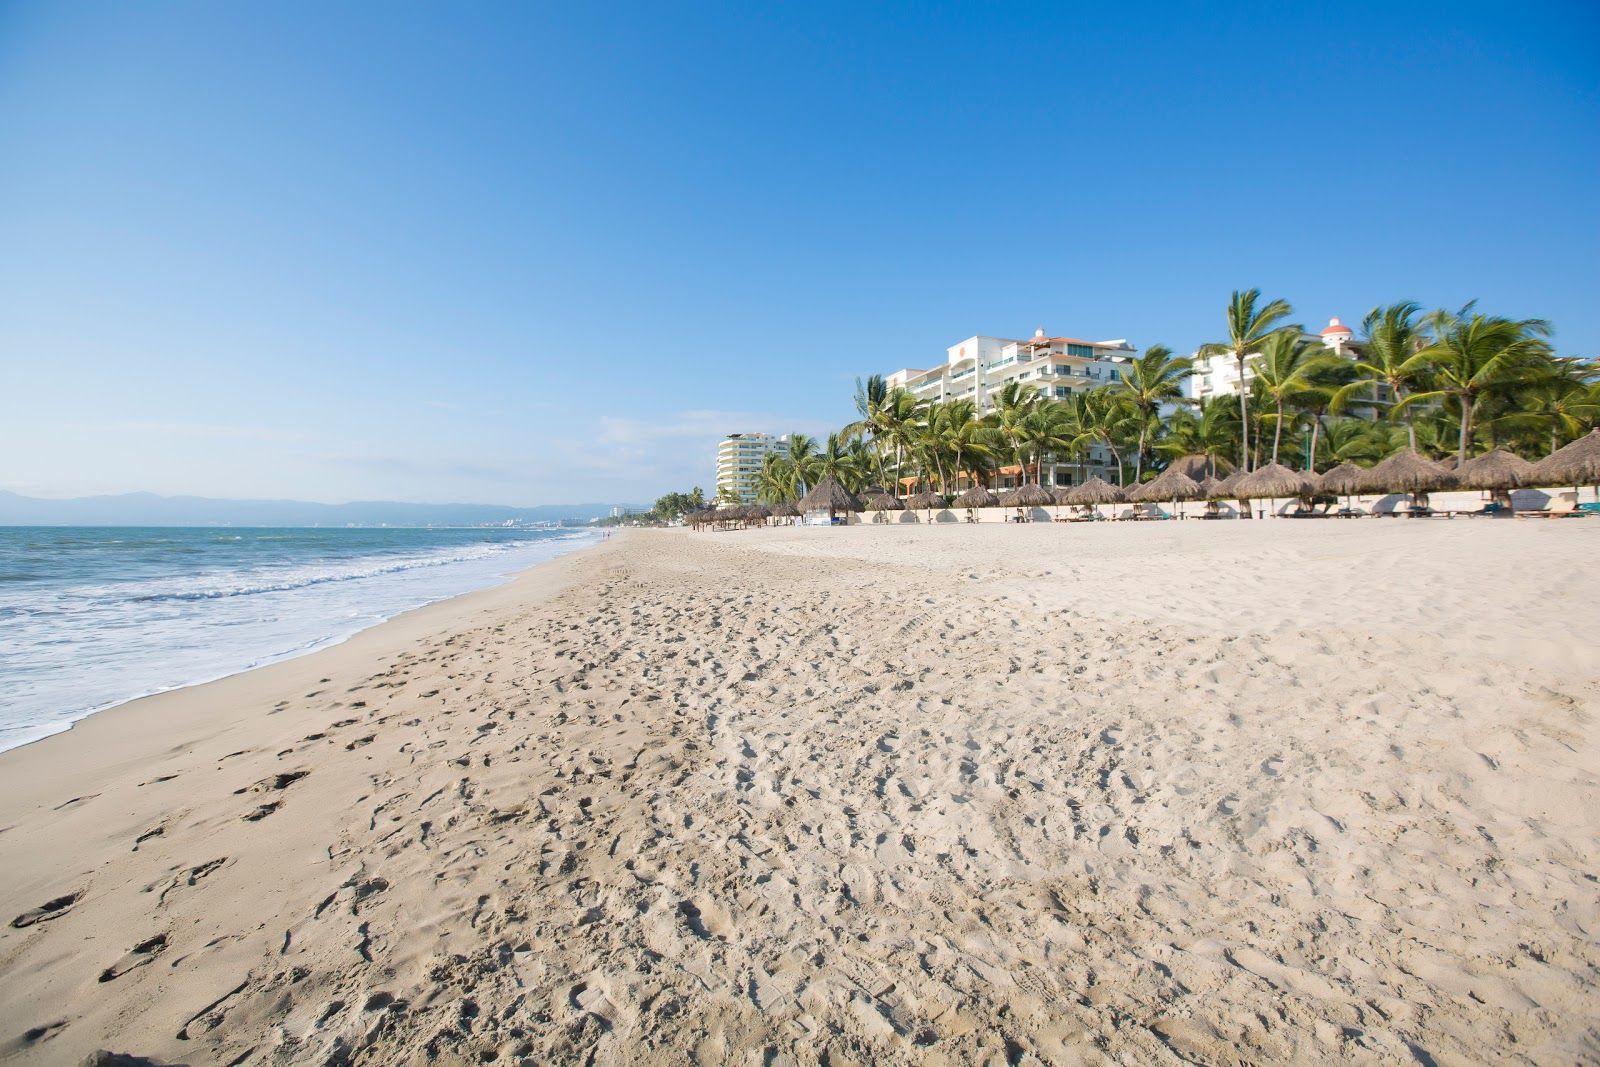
[
  {"x": 1219, "y": 375},
  {"x": 977, "y": 368},
  {"x": 739, "y": 458}
]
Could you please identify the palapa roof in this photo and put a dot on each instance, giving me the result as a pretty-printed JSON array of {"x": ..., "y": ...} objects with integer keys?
[
  {"x": 1274, "y": 480},
  {"x": 757, "y": 511},
  {"x": 926, "y": 500},
  {"x": 884, "y": 502},
  {"x": 1498, "y": 469},
  {"x": 1171, "y": 484},
  {"x": 1574, "y": 464},
  {"x": 1027, "y": 496},
  {"x": 1210, "y": 489},
  {"x": 1097, "y": 491},
  {"x": 977, "y": 497},
  {"x": 829, "y": 495},
  {"x": 1061, "y": 493},
  {"x": 1407, "y": 472},
  {"x": 1197, "y": 466},
  {"x": 786, "y": 511},
  {"x": 1226, "y": 488},
  {"x": 1344, "y": 480}
]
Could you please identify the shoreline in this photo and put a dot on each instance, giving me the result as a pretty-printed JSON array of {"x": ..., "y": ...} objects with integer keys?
[
  {"x": 547, "y": 577},
  {"x": 1270, "y": 792},
  {"x": 271, "y": 660}
]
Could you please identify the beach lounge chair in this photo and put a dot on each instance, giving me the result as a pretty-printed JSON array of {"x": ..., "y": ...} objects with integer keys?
[{"x": 1564, "y": 506}]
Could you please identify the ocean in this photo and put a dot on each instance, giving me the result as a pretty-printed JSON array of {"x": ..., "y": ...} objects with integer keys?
[{"x": 91, "y": 617}]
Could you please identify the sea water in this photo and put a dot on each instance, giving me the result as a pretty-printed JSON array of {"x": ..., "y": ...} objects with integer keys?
[{"x": 94, "y": 616}]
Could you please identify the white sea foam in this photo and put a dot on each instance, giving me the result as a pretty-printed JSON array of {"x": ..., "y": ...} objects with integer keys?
[{"x": 92, "y": 621}]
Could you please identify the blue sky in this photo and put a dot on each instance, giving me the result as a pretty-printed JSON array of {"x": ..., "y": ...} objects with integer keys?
[{"x": 528, "y": 254}]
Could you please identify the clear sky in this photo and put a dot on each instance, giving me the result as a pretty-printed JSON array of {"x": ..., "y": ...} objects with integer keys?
[{"x": 519, "y": 253}]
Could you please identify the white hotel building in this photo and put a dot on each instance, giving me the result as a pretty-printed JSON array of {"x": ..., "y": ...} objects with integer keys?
[
  {"x": 1056, "y": 367},
  {"x": 739, "y": 458},
  {"x": 1219, "y": 375}
]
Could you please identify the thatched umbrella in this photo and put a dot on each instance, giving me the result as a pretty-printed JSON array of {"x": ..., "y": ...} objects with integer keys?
[
  {"x": 785, "y": 511},
  {"x": 1408, "y": 472},
  {"x": 1274, "y": 480},
  {"x": 1575, "y": 464},
  {"x": 757, "y": 513},
  {"x": 828, "y": 495},
  {"x": 1096, "y": 491},
  {"x": 930, "y": 502},
  {"x": 1344, "y": 480},
  {"x": 878, "y": 503},
  {"x": 1196, "y": 466},
  {"x": 1172, "y": 484},
  {"x": 1497, "y": 471},
  {"x": 977, "y": 497},
  {"x": 1027, "y": 496}
]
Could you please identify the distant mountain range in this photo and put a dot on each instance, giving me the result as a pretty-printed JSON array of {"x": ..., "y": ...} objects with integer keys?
[{"x": 149, "y": 509}]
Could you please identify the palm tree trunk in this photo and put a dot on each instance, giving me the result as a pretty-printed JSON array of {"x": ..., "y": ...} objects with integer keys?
[
  {"x": 1277, "y": 432},
  {"x": 1244, "y": 419},
  {"x": 1316, "y": 435},
  {"x": 1468, "y": 405},
  {"x": 1138, "y": 463}
]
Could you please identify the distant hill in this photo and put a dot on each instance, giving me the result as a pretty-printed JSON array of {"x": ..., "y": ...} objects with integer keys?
[{"x": 149, "y": 509}]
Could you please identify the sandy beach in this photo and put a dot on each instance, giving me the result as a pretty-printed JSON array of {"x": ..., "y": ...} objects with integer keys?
[{"x": 1179, "y": 792}]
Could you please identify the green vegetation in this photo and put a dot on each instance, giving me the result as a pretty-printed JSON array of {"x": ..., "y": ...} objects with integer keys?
[{"x": 1446, "y": 383}]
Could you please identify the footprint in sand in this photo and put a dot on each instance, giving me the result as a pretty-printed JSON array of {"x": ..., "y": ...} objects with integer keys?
[
  {"x": 1111, "y": 735},
  {"x": 1272, "y": 765},
  {"x": 1228, "y": 805},
  {"x": 137, "y": 956},
  {"x": 273, "y": 783},
  {"x": 50, "y": 909}
]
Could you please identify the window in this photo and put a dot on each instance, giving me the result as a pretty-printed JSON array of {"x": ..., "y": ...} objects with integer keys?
[
  {"x": 1080, "y": 350},
  {"x": 1062, "y": 390}
]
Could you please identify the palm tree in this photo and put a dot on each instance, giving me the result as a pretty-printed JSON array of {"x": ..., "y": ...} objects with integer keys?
[
  {"x": 1474, "y": 354},
  {"x": 1285, "y": 372},
  {"x": 1248, "y": 328},
  {"x": 884, "y": 413},
  {"x": 1151, "y": 380},
  {"x": 1557, "y": 400},
  {"x": 1390, "y": 356},
  {"x": 1104, "y": 417},
  {"x": 1352, "y": 440},
  {"x": 1043, "y": 430},
  {"x": 803, "y": 460},
  {"x": 1013, "y": 403}
]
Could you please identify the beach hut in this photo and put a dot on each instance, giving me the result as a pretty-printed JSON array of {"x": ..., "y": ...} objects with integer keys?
[
  {"x": 1408, "y": 472},
  {"x": 1496, "y": 472},
  {"x": 1171, "y": 484},
  {"x": 975, "y": 498},
  {"x": 1575, "y": 464},
  {"x": 830, "y": 497},
  {"x": 1025, "y": 498},
  {"x": 1094, "y": 492},
  {"x": 1273, "y": 482},
  {"x": 930, "y": 502}
]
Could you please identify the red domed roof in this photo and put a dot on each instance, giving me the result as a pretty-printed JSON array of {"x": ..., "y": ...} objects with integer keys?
[{"x": 1336, "y": 327}]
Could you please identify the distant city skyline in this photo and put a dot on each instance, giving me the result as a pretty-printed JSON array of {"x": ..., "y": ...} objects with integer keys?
[{"x": 539, "y": 255}]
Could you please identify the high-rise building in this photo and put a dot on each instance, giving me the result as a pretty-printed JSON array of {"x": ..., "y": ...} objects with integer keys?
[{"x": 739, "y": 459}]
